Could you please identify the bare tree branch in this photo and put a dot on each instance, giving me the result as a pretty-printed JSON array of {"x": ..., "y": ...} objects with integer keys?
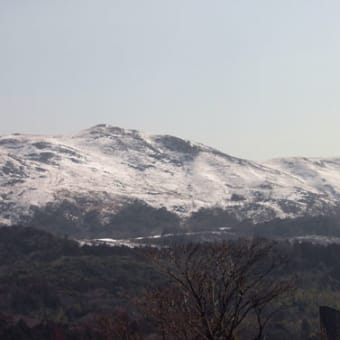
[{"x": 215, "y": 290}]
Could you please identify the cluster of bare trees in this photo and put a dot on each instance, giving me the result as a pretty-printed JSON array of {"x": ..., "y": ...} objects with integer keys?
[{"x": 215, "y": 290}]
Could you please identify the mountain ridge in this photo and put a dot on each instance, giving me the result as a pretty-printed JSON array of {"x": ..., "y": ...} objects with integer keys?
[{"x": 104, "y": 168}]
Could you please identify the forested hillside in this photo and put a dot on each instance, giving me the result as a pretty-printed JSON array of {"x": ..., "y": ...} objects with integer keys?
[{"x": 45, "y": 280}]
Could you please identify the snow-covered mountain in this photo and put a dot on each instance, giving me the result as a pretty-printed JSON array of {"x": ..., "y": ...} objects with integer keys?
[{"x": 104, "y": 168}]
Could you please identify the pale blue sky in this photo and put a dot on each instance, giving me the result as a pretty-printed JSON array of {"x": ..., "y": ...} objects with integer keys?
[{"x": 255, "y": 78}]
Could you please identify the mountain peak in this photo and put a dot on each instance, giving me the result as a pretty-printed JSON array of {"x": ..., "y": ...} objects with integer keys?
[{"x": 104, "y": 130}]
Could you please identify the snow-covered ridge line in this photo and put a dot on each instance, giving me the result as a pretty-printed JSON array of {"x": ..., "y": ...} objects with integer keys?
[{"x": 104, "y": 167}]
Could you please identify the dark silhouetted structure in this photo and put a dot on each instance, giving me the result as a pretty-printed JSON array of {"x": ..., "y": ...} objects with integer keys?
[{"x": 329, "y": 323}]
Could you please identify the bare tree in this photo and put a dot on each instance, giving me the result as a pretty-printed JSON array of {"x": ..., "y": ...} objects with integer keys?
[{"x": 215, "y": 290}]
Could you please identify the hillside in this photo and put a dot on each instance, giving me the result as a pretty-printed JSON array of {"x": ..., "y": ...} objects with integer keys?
[{"x": 100, "y": 171}]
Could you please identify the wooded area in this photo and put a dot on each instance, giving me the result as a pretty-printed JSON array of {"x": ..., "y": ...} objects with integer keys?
[{"x": 98, "y": 292}]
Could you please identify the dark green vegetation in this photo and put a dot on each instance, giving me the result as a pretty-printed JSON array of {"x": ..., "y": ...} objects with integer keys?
[
  {"x": 136, "y": 219},
  {"x": 48, "y": 278},
  {"x": 91, "y": 290},
  {"x": 139, "y": 219}
]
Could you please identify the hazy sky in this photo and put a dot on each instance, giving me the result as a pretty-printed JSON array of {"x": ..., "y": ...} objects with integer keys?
[{"x": 254, "y": 78}]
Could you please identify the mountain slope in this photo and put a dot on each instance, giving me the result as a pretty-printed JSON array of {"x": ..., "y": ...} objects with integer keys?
[{"x": 104, "y": 168}]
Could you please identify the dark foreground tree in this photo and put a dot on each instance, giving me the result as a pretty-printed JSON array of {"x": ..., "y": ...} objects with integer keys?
[{"x": 216, "y": 290}]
